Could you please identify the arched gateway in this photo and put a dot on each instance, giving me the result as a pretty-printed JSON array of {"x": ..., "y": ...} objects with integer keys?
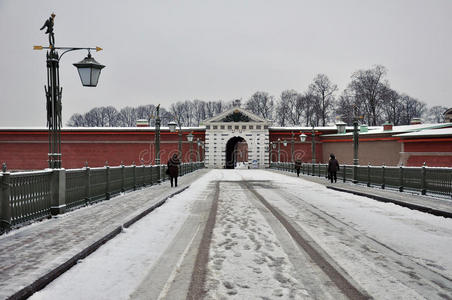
[
  {"x": 236, "y": 152},
  {"x": 236, "y": 135}
]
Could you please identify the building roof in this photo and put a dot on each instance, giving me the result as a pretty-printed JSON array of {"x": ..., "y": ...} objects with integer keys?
[
  {"x": 395, "y": 129},
  {"x": 99, "y": 128},
  {"x": 428, "y": 132}
]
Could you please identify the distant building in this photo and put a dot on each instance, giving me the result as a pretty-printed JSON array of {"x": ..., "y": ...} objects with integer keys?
[{"x": 448, "y": 116}]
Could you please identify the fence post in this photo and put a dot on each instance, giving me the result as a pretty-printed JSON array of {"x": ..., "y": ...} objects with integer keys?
[
  {"x": 368, "y": 174},
  {"x": 159, "y": 172},
  {"x": 123, "y": 179},
  {"x": 144, "y": 175},
  {"x": 401, "y": 179},
  {"x": 134, "y": 176},
  {"x": 344, "y": 173},
  {"x": 5, "y": 206},
  {"x": 107, "y": 181},
  {"x": 423, "y": 180},
  {"x": 355, "y": 174},
  {"x": 58, "y": 192},
  {"x": 150, "y": 172},
  {"x": 383, "y": 184},
  {"x": 87, "y": 183}
]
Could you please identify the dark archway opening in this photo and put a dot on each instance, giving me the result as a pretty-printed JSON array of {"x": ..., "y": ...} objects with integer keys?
[{"x": 236, "y": 151}]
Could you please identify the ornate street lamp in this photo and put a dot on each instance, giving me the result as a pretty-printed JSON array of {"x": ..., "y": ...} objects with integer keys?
[
  {"x": 89, "y": 71},
  {"x": 279, "y": 150},
  {"x": 190, "y": 140},
  {"x": 313, "y": 145}
]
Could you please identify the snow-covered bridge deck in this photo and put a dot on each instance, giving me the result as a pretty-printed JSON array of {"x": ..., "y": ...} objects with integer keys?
[{"x": 384, "y": 250}]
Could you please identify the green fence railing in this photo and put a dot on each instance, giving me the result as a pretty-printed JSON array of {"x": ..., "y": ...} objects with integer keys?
[
  {"x": 426, "y": 180},
  {"x": 30, "y": 196}
]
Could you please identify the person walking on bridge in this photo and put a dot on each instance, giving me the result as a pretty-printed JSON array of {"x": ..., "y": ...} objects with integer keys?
[
  {"x": 173, "y": 169},
  {"x": 333, "y": 167},
  {"x": 298, "y": 166}
]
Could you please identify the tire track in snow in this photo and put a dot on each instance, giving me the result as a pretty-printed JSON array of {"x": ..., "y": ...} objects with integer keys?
[{"x": 341, "y": 282}]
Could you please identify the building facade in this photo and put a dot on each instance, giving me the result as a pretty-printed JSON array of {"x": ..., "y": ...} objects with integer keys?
[{"x": 234, "y": 138}]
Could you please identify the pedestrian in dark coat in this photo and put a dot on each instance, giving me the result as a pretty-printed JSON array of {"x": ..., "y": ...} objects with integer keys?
[
  {"x": 173, "y": 169},
  {"x": 298, "y": 166},
  {"x": 333, "y": 167}
]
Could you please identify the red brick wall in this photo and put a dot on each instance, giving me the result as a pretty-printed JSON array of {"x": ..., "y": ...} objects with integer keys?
[{"x": 27, "y": 150}]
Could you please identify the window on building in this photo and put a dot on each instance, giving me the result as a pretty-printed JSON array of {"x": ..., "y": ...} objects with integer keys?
[
  {"x": 258, "y": 126},
  {"x": 243, "y": 126},
  {"x": 207, "y": 126},
  {"x": 229, "y": 126},
  {"x": 236, "y": 126},
  {"x": 215, "y": 127},
  {"x": 251, "y": 126},
  {"x": 222, "y": 127}
]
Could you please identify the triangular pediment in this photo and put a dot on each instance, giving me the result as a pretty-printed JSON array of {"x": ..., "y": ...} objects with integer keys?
[{"x": 236, "y": 114}]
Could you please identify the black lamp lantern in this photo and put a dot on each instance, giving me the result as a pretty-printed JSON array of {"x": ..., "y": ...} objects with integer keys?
[
  {"x": 89, "y": 71},
  {"x": 172, "y": 126}
]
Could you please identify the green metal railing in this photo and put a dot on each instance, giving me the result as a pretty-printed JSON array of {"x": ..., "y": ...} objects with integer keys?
[
  {"x": 29, "y": 196},
  {"x": 424, "y": 179}
]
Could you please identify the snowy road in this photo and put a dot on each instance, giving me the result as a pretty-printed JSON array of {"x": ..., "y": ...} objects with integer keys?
[{"x": 383, "y": 250}]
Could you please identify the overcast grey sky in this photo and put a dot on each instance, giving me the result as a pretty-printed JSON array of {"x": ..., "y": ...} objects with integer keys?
[{"x": 167, "y": 51}]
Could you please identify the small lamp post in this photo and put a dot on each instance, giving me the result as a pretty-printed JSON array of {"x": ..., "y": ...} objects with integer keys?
[
  {"x": 313, "y": 145},
  {"x": 279, "y": 150},
  {"x": 190, "y": 139}
]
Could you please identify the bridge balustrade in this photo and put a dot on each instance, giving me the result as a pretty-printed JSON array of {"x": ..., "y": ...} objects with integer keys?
[
  {"x": 29, "y": 196},
  {"x": 426, "y": 180}
]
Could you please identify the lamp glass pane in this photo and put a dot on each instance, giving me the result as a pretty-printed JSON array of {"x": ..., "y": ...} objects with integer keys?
[
  {"x": 85, "y": 76},
  {"x": 95, "y": 74}
]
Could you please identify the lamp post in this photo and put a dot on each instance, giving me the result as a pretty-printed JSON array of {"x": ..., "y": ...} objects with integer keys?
[
  {"x": 313, "y": 145},
  {"x": 302, "y": 137},
  {"x": 355, "y": 142},
  {"x": 190, "y": 139},
  {"x": 279, "y": 150},
  {"x": 89, "y": 71},
  {"x": 198, "y": 144},
  {"x": 292, "y": 145}
]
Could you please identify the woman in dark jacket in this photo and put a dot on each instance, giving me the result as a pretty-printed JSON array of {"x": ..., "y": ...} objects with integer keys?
[
  {"x": 173, "y": 169},
  {"x": 333, "y": 167},
  {"x": 298, "y": 166}
]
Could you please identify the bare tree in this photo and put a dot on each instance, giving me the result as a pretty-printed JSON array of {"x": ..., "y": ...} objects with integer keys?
[
  {"x": 283, "y": 107},
  {"x": 392, "y": 110},
  {"x": 412, "y": 108},
  {"x": 261, "y": 104},
  {"x": 369, "y": 88},
  {"x": 76, "y": 120},
  {"x": 436, "y": 114},
  {"x": 127, "y": 117},
  {"x": 110, "y": 116},
  {"x": 323, "y": 90}
]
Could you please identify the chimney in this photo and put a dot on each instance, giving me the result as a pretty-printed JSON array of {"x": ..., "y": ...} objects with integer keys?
[
  {"x": 415, "y": 121},
  {"x": 387, "y": 126},
  {"x": 142, "y": 123}
]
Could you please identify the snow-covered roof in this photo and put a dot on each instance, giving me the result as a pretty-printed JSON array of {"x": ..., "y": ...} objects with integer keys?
[
  {"x": 428, "y": 132},
  {"x": 396, "y": 129},
  {"x": 99, "y": 128}
]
